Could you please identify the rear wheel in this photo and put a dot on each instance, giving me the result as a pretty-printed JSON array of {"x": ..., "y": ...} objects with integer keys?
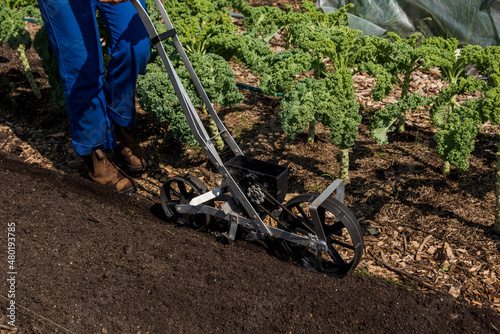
[{"x": 343, "y": 235}]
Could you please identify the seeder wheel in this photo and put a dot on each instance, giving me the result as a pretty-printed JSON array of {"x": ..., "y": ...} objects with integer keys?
[
  {"x": 342, "y": 230},
  {"x": 181, "y": 189}
]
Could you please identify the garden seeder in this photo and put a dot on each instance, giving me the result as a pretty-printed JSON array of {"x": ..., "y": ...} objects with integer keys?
[{"x": 315, "y": 229}]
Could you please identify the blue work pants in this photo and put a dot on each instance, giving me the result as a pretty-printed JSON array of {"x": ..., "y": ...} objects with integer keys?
[{"x": 96, "y": 103}]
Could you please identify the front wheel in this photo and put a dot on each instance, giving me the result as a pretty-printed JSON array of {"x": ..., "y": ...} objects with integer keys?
[
  {"x": 343, "y": 235},
  {"x": 181, "y": 189}
]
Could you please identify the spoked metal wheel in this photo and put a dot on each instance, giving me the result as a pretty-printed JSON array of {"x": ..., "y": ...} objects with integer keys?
[
  {"x": 181, "y": 189},
  {"x": 343, "y": 235}
]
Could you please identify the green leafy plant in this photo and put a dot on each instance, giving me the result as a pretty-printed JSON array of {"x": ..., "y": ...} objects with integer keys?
[
  {"x": 488, "y": 62},
  {"x": 459, "y": 125},
  {"x": 50, "y": 66},
  {"x": 156, "y": 94},
  {"x": 267, "y": 21},
  {"x": 317, "y": 43},
  {"x": 282, "y": 70},
  {"x": 330, "y": 101},
  {"x": 246, "y": 47},
  {"x": 452, "y": 70},
  {"x": 455, "y": 137},
  {"x": 18, "y": 4},
  {"x": 338, "y": 43},
  {"x": 202, "y": 28},
  {"x": 315, "y": 37},
  {"x": 13, "y": 32},
  {"x": 399, "y": 59}
]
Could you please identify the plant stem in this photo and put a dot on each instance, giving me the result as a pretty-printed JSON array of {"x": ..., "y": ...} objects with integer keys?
[
  {"x": 219, "y": 143},
  {"x": 446, "y": 168},
  {"x": 317, "y": 73},
  {"x": 312, "y": 131},
  {"x": 27, "y": 70},
  {"x": 496, "y": 226},
  {"x": 312, "y": 124},
  {"x": 405, "y": 89},
  {"x": 344, "y": 165},
  {"x": 401, "y": 122}
]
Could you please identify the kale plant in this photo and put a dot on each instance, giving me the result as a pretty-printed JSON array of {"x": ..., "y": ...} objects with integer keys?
[
  {"x": 330, "y": 101},
  {"x": 156, "y": 93},
  {"x": 399, "y": 59},
  {"x": 13, "y": 32}
]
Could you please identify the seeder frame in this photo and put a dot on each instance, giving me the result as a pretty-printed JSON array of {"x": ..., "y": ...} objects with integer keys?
[{"x": 237, "y": 209}]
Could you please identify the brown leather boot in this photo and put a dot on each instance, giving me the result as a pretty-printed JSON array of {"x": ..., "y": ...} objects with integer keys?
[
  {"x": 106, "y": 173},
  {"x": 132, "y": 155}
]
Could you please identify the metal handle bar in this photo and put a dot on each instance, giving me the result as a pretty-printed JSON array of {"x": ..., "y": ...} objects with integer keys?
[{"x": 192, "y": 116}]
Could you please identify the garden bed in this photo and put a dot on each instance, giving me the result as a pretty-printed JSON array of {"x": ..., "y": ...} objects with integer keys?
[{"x": 428, "y": 232}]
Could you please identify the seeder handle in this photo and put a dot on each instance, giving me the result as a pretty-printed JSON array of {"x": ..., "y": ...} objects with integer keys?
[{"x": 171, "y": 33}]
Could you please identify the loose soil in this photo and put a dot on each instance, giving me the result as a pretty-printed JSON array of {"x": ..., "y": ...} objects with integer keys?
[{"x": 92, "y": 261}]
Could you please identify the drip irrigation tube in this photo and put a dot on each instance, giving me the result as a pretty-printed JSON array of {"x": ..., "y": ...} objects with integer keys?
[
  {"x": 30, "y": 20},
  {"x": 237, "y": 15}
]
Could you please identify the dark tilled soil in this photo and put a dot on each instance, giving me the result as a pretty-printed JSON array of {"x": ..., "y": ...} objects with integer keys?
[{"x": 93, "y": 261}]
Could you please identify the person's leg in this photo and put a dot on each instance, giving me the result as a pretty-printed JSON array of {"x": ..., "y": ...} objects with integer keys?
[
  {"x": 72, "y": 29},
  {"x": 130, "y": 51}
]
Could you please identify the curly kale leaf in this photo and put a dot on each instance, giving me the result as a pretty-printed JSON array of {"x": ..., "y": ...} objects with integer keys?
[
  {"x": 256, "y": 53},
  {"x": 490, "y": 110},
  {"x": 195, "y": 33},
  {"x": 384, "y": 120},
  {"x": 336, "y": 43},
  {"x": 12, "y": 27},
  {"x": 330, "y": 101},
  {"x": 18, "y": 4},
  {"x": 384, "y": 83},
  {"x": 486, "y": 59},
  {"x": 299, "y": 106},
  {"x": 253, "y": 51},
  {"x": 265, "y": 21},
  {"x": 438, "y": 52},
  {"x": 403, "y": 56},
  {"x": 218, "y": 79},
  {"x": 371, "y": 49},
  {"x": 283, "y": 68},
  {"x": 488, "y": 63},
  {"x": 239, "y": 5},
  {"x": 316, "y": 16},
  {"x": 455, "y": 139},
  {"x": 312, "y": 39},
  {"x": 446, "y": 101},
  {"x": 181, "y": 10},
  {"x": 345, "y": 54},
  {"x": 195, "y": 22},
  {"x": 344, "y": 124},
  {"x": 340, "y": 111},
  {"x": 452, "y": 67},
  {"x": 156, "y": 96}
]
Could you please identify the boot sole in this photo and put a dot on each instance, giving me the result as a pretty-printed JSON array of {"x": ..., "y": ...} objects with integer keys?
[{"x": 135, "y": 169}]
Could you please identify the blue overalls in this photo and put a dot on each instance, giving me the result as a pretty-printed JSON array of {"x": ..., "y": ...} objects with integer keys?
[{"x": 96, "y": 103}]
